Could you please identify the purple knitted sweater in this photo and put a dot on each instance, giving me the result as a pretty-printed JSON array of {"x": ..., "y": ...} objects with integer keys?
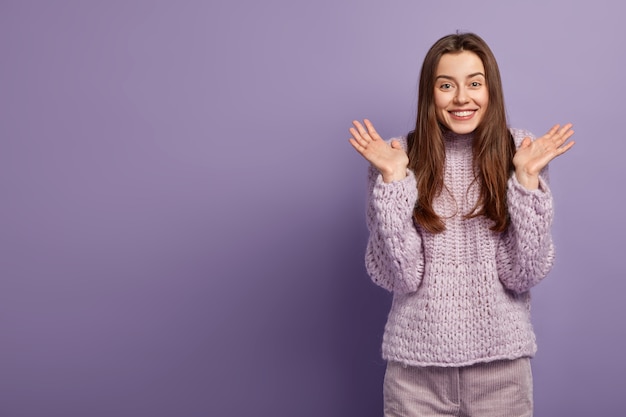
[{"x": 461, "y": 296}]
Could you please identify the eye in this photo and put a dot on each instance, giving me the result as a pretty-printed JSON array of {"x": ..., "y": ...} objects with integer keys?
[
  {"x": 475, "y": 84},
  {"x": 445, "y": 86}
]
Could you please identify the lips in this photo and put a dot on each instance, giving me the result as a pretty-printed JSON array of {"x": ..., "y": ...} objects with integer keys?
[{"x": 464, "y": 113}]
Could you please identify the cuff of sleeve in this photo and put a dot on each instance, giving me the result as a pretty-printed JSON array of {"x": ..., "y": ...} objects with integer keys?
[
  {"x": 402, "y": 191},
  {"x": 393, "y": 204},
  {"x": 538, "y": 200}
]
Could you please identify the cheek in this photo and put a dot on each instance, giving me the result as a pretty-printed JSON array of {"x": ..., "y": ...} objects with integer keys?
[
  {"x": 484, "y": 99},
  {"x": 440, "y": 103}
]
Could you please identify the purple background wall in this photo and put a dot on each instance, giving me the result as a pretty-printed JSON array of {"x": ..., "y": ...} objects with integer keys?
[{"x": 182, "y": 227}]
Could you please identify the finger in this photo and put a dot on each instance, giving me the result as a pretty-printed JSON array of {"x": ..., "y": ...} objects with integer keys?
[
  {"x": 566, "y": 147},
  {"x": 552, "y": 131},
  {"x": 568, "y": 135},
  {"x": 355, "y": 133},
  {"x": 356, "y": 145},
  {"x": 362, "y": 131},
  {"x": 566, "y": 127},
  {"x": 372, "y": 132},
  {"x": 357, "y": 141},
  {"x": 357, "y": 124},
  {"x": 563, "y": 134},
  {"x": 358, "y": 137},
  {"x": 560, "y": 151},
  {"x": 566, "y": 131}
]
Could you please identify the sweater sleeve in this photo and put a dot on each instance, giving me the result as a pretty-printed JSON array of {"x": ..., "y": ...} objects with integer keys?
[
  {"x": 394, "y": 257},
  {"x": 526, "y": 251}
]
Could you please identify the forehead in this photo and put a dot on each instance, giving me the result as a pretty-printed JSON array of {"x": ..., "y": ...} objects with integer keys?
[{"x": 460, "y": 64}]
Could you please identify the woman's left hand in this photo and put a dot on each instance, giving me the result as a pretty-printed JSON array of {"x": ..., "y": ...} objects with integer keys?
[{"x": 533, "y": 156}]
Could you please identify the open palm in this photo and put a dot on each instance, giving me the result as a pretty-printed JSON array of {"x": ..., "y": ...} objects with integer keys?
[
  {"x": 533, "y": 156},
  {"x": 389, "y": 159}
]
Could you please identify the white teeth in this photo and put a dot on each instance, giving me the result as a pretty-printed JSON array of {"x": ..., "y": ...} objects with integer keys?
[{"x": 462, "y": 113}]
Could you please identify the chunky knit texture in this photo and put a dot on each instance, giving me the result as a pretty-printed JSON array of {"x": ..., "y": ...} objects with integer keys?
[{"x": 461, "y": 296}]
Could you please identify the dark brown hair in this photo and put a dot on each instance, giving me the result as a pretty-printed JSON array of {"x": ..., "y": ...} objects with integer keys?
[{"x": 493, "y": 145}]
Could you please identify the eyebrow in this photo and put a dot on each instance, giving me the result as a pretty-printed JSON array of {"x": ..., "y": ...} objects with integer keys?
[{"x": 448, "y": 77}]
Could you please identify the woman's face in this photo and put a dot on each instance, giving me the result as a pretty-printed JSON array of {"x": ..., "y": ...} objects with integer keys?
[{"x": 461, "y": 95}]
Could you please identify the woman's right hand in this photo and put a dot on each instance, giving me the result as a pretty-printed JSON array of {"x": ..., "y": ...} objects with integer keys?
[{"x": 389, "y": 159}]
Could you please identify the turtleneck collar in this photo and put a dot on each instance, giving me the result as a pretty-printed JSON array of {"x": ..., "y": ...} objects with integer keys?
[{"x": 457, "y": 140}]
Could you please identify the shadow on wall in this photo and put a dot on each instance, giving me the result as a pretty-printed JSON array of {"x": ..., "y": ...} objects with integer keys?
[
  {"x": 304, "y": 329},
  {"x": 360, "y": 310}
]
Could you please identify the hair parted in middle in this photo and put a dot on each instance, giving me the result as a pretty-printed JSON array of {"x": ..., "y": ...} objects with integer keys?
[{"x": 493, "y": 146}]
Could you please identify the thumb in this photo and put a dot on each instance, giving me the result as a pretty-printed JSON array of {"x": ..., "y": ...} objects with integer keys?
[
  {"x": 396, "y": 144},
  {"x": 525, "y": 143}
]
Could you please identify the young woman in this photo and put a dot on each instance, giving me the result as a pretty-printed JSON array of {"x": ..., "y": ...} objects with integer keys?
[{"x": 459, "y": 214}]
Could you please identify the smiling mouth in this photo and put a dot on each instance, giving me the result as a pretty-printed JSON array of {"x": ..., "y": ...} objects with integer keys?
[{"x": 464, "y": 113}]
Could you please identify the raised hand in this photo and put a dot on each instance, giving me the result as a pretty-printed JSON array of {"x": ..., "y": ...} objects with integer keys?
[
  {"x": 533, "y": 156},
  {"x": 389, "y": 159}
]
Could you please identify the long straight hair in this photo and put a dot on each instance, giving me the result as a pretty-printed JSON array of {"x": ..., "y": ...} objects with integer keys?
[{"x": 492, "y": 149}]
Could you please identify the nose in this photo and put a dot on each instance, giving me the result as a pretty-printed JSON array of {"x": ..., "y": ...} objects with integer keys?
[{"x": 461, "y": 96}]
